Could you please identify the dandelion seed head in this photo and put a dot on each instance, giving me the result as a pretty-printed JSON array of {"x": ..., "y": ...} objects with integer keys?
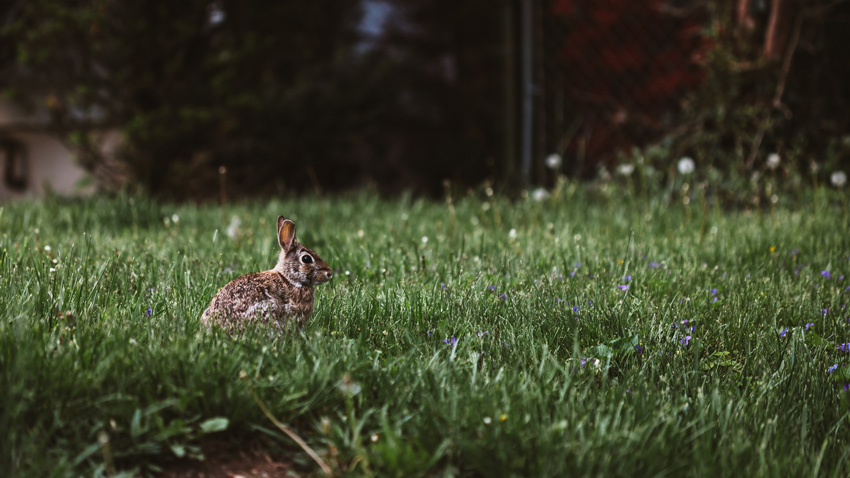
[
  {"x": 540, "y": 194},
  {"x": 686, "y": 165},
  {"x": 554, "y": 161},
  {"x": 838, "y": 179},
  {"x": 772, "y": 161}
]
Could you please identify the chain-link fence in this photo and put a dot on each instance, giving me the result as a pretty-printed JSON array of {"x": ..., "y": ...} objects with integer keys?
[
  {"x": 735, "y": 80},
  {"x": 610, "y": 75}
]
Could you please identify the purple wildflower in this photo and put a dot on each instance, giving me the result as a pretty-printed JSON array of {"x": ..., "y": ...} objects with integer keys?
[
  {"x": 826, "y": 274},
  {"x": 148, "y": 312},
  {"x": 505, "y": 344},
  {"x": 833, "y": 368},
  {"x": 653, "y": 264},
  {"x": 684, "y": 340},
  {"x": 627, "y": 278},
  {"x": 560, "y": 277},
  {"x": 558, "y": 300},
  {"x": 451, "y": 341},
  {"x": 675, "y": 324},
  {"x": 714, "y": 291},
  {"x": 846, "y": 386},
  {"x": 783, "y": 333},
  {"x": 443, "y": 286},
  {"x": 492, "y": 288},
  {"x": 623, "y": 287},
  {"x": 825, "y": 311},
  {"x": 504, "y": 297},
  {"x": 575, "y": 309},
  {"x": 431, "y": 332},
  {"x": 639, "y": 349},
  {"x": 845, "y": 347},
  {"x": 482, "y": 334},
  {"x": 714, "y": 300},
  {"x": 809, "y": 325},
  {"x": 583, "y": 362}
]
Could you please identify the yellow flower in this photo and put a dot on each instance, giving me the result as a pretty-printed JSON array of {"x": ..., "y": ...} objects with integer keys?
[
  {"x": 503, "y": 417},
  {"x": 772, "y": 248}
]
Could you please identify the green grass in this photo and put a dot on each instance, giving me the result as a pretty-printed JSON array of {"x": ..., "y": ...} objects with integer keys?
[{"x": 371, "y": 385}]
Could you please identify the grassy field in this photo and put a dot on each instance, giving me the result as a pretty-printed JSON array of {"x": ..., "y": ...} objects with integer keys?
[{"x": 589, "y": 334}]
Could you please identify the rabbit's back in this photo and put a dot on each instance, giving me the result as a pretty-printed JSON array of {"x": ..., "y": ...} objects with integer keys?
[{"x": 262, "y": 295}]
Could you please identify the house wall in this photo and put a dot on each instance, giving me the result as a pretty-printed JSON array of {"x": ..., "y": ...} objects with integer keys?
[{"x": 48, "y": 165}]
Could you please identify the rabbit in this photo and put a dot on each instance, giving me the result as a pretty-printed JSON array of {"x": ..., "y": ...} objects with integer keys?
[{"x": 284, "y": 292}]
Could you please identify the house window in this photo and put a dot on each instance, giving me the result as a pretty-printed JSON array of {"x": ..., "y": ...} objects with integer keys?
[{"x": 13, "y": 158}]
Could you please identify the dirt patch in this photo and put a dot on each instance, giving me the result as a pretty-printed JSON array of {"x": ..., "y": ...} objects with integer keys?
[{"x": 224, "y": 460}]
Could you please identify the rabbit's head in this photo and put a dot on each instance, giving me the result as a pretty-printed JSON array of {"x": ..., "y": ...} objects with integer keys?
[{"x": 298, "y": 264}]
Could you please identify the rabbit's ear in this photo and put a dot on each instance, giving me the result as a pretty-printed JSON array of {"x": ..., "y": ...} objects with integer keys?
[{"x": 285, "y": 233}]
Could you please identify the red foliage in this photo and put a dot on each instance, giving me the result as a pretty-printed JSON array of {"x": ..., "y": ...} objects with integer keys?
[{"x": 628, "y": 57}]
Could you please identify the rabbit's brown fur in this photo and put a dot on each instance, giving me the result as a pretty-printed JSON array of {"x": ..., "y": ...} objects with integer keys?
[{"x": 286, "y": 291}]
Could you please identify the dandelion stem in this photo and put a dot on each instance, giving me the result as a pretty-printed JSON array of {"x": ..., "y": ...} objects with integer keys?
[{"x": 291, "y": 434}]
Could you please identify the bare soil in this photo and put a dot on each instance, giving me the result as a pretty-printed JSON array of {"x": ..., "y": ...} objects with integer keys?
[{"x": 222, "y": 460}]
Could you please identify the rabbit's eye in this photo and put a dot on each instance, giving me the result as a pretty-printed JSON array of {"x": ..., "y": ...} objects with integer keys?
[{"x": 307, "y": 259}]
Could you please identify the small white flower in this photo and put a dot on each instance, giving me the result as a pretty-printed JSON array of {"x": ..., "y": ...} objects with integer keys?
[
  {"x": 47, "y": 248},
  {"x": 838, "y": 179},
  {"x": 424, "y": 239},
  {"x": 686, "y": 165},
  {"x": 554, "y": 161},
  {"x": 360, "y": 233},
  {"x": 772, "y": 161},
  {"x": 233, "y": 227},
  {"x": 540, "y": 194},
  {"x": 175, "y": 218},
  {"x": 52, "y": 269},
  {"x": 626, "y": 169},
  {"x": 374, "y": 437},
  {"x": 512, "y": 234},
  {"x": 488, "y": 420},
  {"x": 349, "y": 387}
]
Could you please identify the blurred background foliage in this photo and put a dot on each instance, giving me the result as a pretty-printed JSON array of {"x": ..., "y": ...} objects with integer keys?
[{"x": 401, "y": 95}]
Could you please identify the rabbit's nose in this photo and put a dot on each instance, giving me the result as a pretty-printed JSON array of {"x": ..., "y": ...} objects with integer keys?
[{"x": 329, "y": 274}]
